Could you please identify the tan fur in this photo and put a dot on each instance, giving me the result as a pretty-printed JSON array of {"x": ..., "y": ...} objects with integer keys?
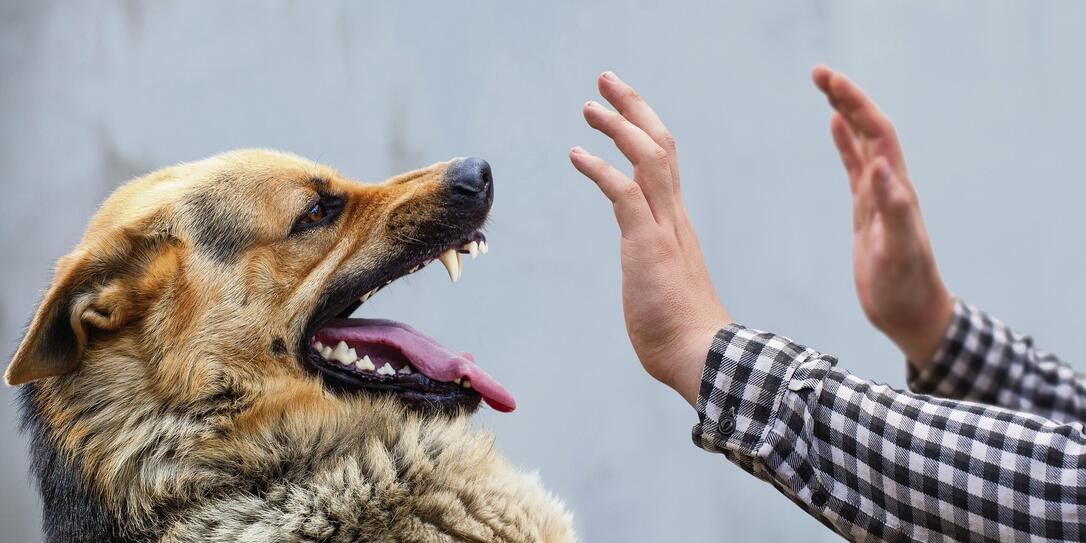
[{"x": 154, "y": 374}]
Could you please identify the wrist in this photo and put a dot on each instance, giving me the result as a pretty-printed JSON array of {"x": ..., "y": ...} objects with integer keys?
[
  {"x": 921, "y": 342},
  {"x": 688, "y": 360}
]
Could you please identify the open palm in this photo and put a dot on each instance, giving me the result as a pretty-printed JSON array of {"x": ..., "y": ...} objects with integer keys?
[
  {"x": 896, "y": 277},
  {"x": 671, "y": 309}
]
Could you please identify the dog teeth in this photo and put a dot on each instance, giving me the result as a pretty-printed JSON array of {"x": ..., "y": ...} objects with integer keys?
[
  {"x": 365, "y": 364},
  {"x": 473, "y": 249},
  {"x": 348, "y": 356},
  {"x": 483, "y": 247},
  {"x": 457, "y": 380},
  {"x": 366, "y": 296},
  {"x": 451, "y": 260},
  {"x": 343, "y": 354},
  {"x": 465, "y": 383}
]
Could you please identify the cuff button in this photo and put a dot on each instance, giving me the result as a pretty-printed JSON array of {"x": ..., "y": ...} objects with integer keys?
[{"x": 726, "y": 424}]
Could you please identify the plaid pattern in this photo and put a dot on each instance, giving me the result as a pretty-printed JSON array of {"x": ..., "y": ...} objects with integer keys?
[
  {"x": 982, "y": 360},
  {"x": 876, "y": 464}
]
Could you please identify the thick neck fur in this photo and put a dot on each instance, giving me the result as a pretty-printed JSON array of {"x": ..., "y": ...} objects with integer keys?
[{"x": 290, "y": 462}]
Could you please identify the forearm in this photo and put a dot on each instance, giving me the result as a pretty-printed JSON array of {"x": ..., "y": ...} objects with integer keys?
[
  {"x": 982, "y": 360},
  {"x": 875, "y": 463}
]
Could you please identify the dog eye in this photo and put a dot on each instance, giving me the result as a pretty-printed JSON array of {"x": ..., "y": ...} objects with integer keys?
[
  {"x": 316, "y": 214},
  {"x": 319, "y": 213}
]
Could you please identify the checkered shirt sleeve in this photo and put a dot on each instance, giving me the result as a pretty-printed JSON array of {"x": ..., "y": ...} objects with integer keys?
[
  {"x": 983, "y": 360},
  {"x": 876, "y": 464}
]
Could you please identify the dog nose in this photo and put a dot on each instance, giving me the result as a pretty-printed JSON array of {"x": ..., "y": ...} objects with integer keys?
[{"x": 470, "y": 177}]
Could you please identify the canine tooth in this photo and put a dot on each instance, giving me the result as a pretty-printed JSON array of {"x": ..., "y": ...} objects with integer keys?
[
  {"x": 451, "y": 260},
  {"x": 387, "y": 369},
  {"x": 364, "y": 364},
  {"x": 457, "y": 380},
  {"x": 318, "y": 346},
  {"x": 483, "y": 247},
  {"x": 473, "y": 249},
  {"x": 406, "y": 370},
  {"x": 466, "y": 384}
]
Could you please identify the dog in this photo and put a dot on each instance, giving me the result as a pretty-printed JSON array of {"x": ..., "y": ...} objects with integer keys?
[{"x": 192, "y": 373}]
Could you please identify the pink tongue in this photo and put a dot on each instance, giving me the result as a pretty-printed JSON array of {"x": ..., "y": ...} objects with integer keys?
[{"x": 426, "y": 355}]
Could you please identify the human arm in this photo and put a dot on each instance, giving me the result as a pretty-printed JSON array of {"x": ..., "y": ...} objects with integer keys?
[
  {"x": 954, "y": 350},
  {"x": 870, "y": 462},
  {"x": 981, "y": 359},
  {"x": 877, "y": 464}
]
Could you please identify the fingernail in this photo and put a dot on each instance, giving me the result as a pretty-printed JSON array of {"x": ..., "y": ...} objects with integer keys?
[
  {"x": 610, "y": 76},
  {"x": 577, "y": 150}
]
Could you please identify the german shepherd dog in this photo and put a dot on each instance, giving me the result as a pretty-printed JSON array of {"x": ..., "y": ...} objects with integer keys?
[{"x": 192, "y": 374}]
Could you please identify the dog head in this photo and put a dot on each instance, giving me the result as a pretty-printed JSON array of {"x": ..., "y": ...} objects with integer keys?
[{"x": 240, "y": 272}]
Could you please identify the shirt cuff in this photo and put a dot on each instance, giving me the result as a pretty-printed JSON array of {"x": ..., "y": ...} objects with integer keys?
[
  {"x": 746, "y": 374},
  {"x": 962, "y": 355}
]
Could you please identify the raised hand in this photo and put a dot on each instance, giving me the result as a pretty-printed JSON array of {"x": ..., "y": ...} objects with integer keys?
[
  {"x": 671, "y": 309},
  {"x": 896, "y": 277}
]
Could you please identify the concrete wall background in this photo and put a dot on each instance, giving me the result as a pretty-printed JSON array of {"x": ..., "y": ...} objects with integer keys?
[{"x": 987, "y": 97}]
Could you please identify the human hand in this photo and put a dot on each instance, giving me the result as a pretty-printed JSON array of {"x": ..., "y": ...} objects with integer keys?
[
  {"x": 671, "y": 309},
  {"x": 896, "y": 277}
]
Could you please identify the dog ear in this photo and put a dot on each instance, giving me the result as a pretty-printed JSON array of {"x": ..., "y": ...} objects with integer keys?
[{"x": 94, "y": 289}]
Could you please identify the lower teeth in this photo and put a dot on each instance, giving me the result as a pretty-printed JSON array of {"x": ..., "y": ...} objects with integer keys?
[{"x": 347, "y": 356}]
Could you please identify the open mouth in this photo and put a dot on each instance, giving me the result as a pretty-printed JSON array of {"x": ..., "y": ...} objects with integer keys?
[{"x": 384, "y": 356}]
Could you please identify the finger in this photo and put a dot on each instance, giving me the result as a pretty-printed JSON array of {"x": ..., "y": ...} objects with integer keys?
[
  {"x": 821, "y": 76},
  {"x": 863, "y": 202},
  {"x": 650, "y": 161},
  {"x": 845, "y": 141},
  {"x": 630, "y": 105},
  {"x": 631, "y": 209},
  {"x": 865, "y": 118}
]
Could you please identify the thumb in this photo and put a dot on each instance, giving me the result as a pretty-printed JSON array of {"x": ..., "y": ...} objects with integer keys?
[{"x": 891, "y": 197}]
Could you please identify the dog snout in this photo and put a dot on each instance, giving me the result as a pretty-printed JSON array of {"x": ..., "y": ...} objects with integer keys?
[{"x": 470, "y": 178}]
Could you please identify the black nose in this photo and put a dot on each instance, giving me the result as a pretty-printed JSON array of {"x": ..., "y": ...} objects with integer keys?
[{"x": 470, "y": 177}]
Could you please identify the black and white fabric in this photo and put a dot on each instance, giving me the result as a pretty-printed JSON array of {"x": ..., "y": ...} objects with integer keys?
[
  {"x": 983, "y": 360},
  {"x": 877, "y": 464}
]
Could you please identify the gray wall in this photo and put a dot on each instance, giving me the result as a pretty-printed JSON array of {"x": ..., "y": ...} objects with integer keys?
[{"x": 988, "y": 97}]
